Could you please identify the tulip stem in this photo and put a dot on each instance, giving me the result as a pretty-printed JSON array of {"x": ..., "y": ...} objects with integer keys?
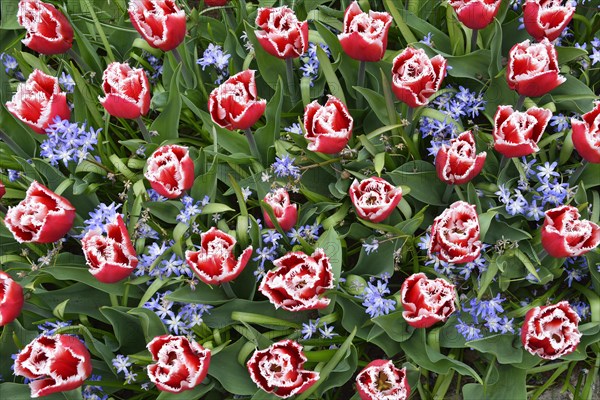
[
  {"x": 252, "y": 144},
  {"x": 144, "y": 130},
  {"x": 503, "y": 163},
  {"x": 360, "y": 82},
  {"x": 289, "y": 69},
  {"x": 543, "y": 254},
  {"x": 447, "y": 193},
  {"x": 186, "y": 75},
  {"x": 12, "y": 145},
  {"x": 520, "y": 103},
  {"x": 459, "y": 192},
  {"x": 228, "y": 290},
  {"x": 474, "y": 39}
]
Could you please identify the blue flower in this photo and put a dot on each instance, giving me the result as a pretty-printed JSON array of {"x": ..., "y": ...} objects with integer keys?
[
  {"x": 295, "y": 128},
  {"x": 284, "y": 167},
  {"x": 215, "y": 56},
  {"x": 101, "y": 216},
  {"x": 373, "y": 298},
  {"x": 547, "y": 170},
  {"x": 427, "y": 39},
  {"x": 469, "y": 332},
  {"x": 560, "y": 122},
  {"x": 371, "y": 247},
  {"x": 67, "y": 82},
  {"x": 309, "y": 329},
  {"x": 121, "y": 363}
]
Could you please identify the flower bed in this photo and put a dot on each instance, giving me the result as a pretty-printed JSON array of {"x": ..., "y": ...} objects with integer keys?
[{"x": 319, "y": 200}]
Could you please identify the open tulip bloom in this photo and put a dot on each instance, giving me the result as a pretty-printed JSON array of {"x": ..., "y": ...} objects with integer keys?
[{"x": 380, "y": 379}]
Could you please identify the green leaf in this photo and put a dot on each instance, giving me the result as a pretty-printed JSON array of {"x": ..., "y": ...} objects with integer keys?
[
  {"x": 152, "y": 326},
  {"x": 167, "y": 123},
  {"x": 395, "y": 326},
  {"x": 509, "y": 384},
  {"x": 421, "y": 178},
  {"x": 506, "y": 348},
  {"x": 224, "y": 366},
  {"x": 266, "y": 135},
  {"x": 331, "y": 244},
  {"x": 332, "y": 81}
]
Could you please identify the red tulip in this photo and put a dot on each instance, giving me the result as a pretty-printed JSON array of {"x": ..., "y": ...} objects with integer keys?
[
  {"x": 551, "y": 331},
  {"x": 126, "y": 90},
  {"x": 11, "y": 299},
  {"x": 234, "y": 104},
  {"x": 459, "y": 162},
  {"x": 455, "y": 234},
  {"x": 329, "y": 127},
  {"x": 299, "y": 281},
  {"x": 278, "y": 369},
  {"x": 586, "y": 135},
  {"x": 41, "y": 217},
  {"x": 374, "y": 198},
  {"x": 547, "y": 18},
  {"x": 285, "y": 212},
  {"x": 365, "y": 35},
  {"x": 111, "y": 258},
  {"x": 54, "y": 364},
  {"x": 215, "y": 262},
  {"x": 48, "y": 30},
  {"x": 179, "y": 363},
  {"x": 2, "y": 190},
  {"x": 170, "y": 171},
  {"x": 415, "y": 77},
  {"x": 426, "y": 301},
  {"x": 532, "y": 69},
  {"x": 160, "y": 22},
  {"x": 565, "y": 235},
  {"x": 282, "y": 35},
  {"x": 380, "y": 379},
  {"x": 516, "y": 134},
  {"x": 39, "y": 101},
  {"x": 476, "y": 14}
]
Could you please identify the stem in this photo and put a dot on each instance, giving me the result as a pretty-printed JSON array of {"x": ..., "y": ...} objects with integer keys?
[
  {"x": 78, "y": 60},
  {"x": 520, "y": 102},
  {"x": 252, "y": 144},
  {"x": 459, "y": 192},
  {"x": 543, "y": 254},
  {"x": 186, "y": 75},
  {"x": 409, "y": 115},
  {"x": 447, "y": 193},
  {"x": 503, "y": 163},
  {"x": 144, "y": 130},
  {"x": 474, "y": 40},
  {"x": 360, "y": 82},
  {"x": 228, "y": 290},
  {"x": 12, "y": 145},
  {"x": 289, "y": 69}
]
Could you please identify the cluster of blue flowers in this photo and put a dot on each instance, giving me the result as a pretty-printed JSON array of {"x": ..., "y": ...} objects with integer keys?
[
  {"x": 373, "y": 297},
  {"x": 310, "y": 62},
  {"x": 122, "y": 364},
  {"x": 456, "y": 105},
  {"x": 483, "y": 315},
  {"x": 191, "y": 208},
  {"x": 157, "y": 67},
  {"x": 595, "y": 50},
  {"x": 166, "y": 267},
  {"x": 67, "y": 82},
  {"x": 576, "y": 268},
  {"x": 11, "y": 66},
  {"x": 50, "y": 328},
  {"x": 284, "y": 167},
  {"x": 215, "y": 56},
  {"x": 536, "y": 191},
  {"x": 101, "y": 216},
  {"x": 271, "y": 248},
  {"x": 94, "y": 392},
  {"x": 66, "y": 141},
  {"x": 180, "y": 319},
  {"x": 312, "y": 326}
]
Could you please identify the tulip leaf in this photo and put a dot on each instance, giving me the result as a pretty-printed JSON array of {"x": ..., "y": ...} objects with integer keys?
[
  {"x": 167, "y": 123},
  {"x": 331, "y": 244},
  {"x": 332, "y": 81}
]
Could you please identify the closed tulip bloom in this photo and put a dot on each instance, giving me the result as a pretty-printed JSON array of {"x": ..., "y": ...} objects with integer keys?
[
  {"x": 170, "y": 171},
  {"x": 285, "y": 212},
  {"x": 415, "y": 77},
  {"x": 476, "y": 14},
  {"x": 11, "y": 299},
  {"x": 516, "y": 134},
  {"x": 532, "y": 68},
  {"x": 547, "y": 18},
  {"x": 458, "y": 162},
  {"x": 586, "y": 135},
  {"x": 281, "y": 34},
  {"x": 48, "y": 30},
  {"x": 565, "y": 234},
  {"x": 329, "y": 127},
  {"x": 126, "y": 91},
  {"x": 365, "y": 35},
  {"x": 38, "y": 101},
  {"x": 41, "y": 217},
  {"x": 160, "y": 22},
  {"x": 426, "y": 301}
]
